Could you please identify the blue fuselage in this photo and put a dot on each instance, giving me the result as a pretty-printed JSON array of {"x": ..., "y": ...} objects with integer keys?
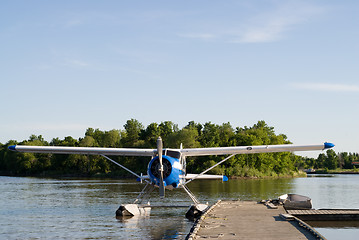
[{"x": 173, "y": 171}]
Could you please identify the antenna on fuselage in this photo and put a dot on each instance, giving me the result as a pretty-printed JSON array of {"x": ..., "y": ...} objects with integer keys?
[{"x": 159, "y": 152}]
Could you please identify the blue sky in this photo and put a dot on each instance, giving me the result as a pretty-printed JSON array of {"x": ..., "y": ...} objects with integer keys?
[{"x": 69, "y": 65}]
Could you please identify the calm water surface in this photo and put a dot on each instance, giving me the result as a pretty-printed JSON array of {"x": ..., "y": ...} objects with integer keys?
[{"x": 36, "y": 208}]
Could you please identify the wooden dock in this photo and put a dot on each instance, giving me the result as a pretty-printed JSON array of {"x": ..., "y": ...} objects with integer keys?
[{"x": 249, "y": 220}]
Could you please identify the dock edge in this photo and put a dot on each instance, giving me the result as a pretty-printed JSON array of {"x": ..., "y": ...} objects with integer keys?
[
  {"x": 197, "y": 224},
  {"x": 309, "y": 228}
]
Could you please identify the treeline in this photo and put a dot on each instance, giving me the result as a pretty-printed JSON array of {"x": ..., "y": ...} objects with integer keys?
[
  {"x": 134, "y": 134},
  {"x": 329, "y": 161}
]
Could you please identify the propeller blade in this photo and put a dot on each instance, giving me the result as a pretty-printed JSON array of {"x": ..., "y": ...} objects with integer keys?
[{"x": 159, "y": 152}]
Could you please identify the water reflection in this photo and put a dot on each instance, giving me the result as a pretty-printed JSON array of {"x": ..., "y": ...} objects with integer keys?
[
  {"x": 244, "y": 189},
  {"x": 335, "y": 224},
  {"x": 78, "y": 209}
]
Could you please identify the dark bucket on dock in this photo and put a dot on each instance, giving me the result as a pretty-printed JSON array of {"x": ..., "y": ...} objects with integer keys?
[{"x": 296, "y": 202}]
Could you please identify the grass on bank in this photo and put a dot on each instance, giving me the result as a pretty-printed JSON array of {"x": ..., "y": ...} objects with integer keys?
[{"x": 337, "y": 171}]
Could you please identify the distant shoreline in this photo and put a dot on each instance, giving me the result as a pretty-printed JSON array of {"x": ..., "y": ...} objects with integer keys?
[
  {"x": 114, "y": 176},
  {"x": 332, "y": 172}
]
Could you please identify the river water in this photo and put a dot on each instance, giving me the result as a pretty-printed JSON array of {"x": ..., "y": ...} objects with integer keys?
[{"x": 42, "y": 208}]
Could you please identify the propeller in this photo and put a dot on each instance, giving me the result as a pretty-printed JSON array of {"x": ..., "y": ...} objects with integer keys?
[{"x": 159, "y": 152}]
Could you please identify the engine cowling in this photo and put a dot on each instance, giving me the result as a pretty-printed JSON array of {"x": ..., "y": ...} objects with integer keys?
[{"x": 171, "y": 171}]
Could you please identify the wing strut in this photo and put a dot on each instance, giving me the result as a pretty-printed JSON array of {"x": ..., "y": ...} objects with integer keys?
[
  {"x": 190, "y": 194},
  {"x": 128, "y": 170},
  {"x": 215, "y": 165}
]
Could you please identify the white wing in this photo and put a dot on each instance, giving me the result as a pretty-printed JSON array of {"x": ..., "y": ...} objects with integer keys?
[
  {"x": 85, "y": 150},
  {"x": 253, "y": 149},
  {"x": 184, "y": 152}
]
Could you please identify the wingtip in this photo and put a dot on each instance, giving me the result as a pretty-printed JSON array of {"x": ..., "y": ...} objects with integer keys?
[
  {"x": 12, "y": 147},
  {"x": 328, "y": 145}
]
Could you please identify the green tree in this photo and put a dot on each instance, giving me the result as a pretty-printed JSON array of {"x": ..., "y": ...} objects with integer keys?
[
  {"x": 133, "y": 129},
  {"x": 344, "y": 160},
  {"x": 186, "y": 136},
  {"x": 321, "y": 161},
  {"x": 166, "y": 128},
  {"x": 210, "y": 135},
  {"x": 331, "y": 160},
  {"x": 226, "y": 135},
  {"x": 111, "y": 138},
  {"x": 150, "y": 134},
  {"x": 194, "y": 125}
]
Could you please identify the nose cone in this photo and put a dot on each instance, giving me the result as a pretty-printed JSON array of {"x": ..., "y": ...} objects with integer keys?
[{"x": 328, "y": 145}]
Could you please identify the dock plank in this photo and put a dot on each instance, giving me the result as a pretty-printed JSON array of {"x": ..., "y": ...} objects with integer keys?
[
  {"x": 326, "y": 214},
  {"x": 249, "y": 220}
]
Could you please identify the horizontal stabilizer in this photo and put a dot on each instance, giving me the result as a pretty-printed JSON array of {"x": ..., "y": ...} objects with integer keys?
[{"x": 207, "y": 176}]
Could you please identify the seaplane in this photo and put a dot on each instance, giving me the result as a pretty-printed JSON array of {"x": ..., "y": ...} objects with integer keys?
[{"x": 167, "y": 168}]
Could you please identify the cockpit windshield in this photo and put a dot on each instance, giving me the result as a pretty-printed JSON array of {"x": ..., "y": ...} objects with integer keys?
[{"x": 172, "y": 153}]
